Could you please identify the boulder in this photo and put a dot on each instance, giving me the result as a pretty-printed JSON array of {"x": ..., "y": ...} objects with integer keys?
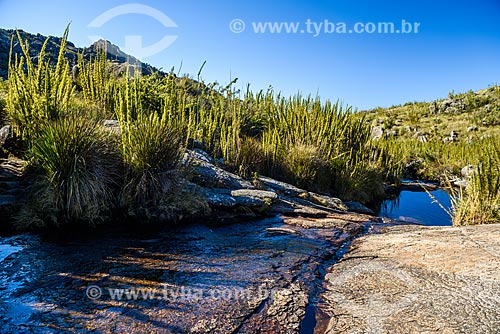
[
  {"x": 296, "y": 207},
  {"x": 452, "y": 138},
  {"x": 445, "y": 104},
  {"x": 468, "y": 171},
  {"x": 448, "y": 140},
  {"x": 223, "y": 199},
  {"x": 12, "y": 187},
  {"x": 377, "y": 132},
  {"x": 281, "y": 187},
  {"x": 5, "y": 134},
  {"x": 267, "y": 196},
  {"x": 206, "y": 174},
  {"x": 359, "y": 208},
  {"x": 202, "y": 155},
  {"x": 6, "y": 141},
  {"x": 418, "y": 186},
  {"x": 392, "y": 133},
  {"x": 451, "y": 106},
  {"x": 460, "y": 183},
  {"x": 412, "y": 169},
  {"x": 326, "y": 201},
  {"x": 112, "y": 125}
]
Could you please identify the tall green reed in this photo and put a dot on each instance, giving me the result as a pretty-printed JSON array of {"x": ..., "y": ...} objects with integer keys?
[{"x": 37, "y": 92}]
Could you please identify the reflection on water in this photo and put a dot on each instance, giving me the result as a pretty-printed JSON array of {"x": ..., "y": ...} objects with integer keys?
[{"x": 418, "y": 207}]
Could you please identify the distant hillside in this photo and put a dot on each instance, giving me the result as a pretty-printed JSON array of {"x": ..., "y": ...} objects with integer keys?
[
  {"x": 113, "y": 52},
  {"x": 459, "y": 117}
]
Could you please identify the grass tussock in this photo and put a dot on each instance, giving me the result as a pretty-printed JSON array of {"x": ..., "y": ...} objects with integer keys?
[
  {"x": 479, "y": 203},
  {"x": 322, "y": 146},
  {"x": 151, "y": 152},
  {"x": 151, "y": 148},
  {"x": 77, "y": 172}
]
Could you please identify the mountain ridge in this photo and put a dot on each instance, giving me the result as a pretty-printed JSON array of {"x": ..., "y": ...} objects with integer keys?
[{"x": 36, "y": 41}]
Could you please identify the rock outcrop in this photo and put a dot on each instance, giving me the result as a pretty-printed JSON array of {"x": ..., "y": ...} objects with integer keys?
[
  {"x": 225, "y": 191},
  {"x": 414, "y": 279},
  {"x": 113, "y": 53}
]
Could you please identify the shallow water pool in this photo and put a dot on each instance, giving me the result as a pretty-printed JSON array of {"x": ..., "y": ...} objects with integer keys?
[{"x": 419, "y": 208}]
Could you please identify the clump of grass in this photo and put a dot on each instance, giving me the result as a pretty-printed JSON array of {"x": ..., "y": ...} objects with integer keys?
[
  {"x": 77, "y": 170},
  {"x": 151, "y": 149},
  {"x": 305, "y": 164},
  {"x": 480, "y": 202},
  {"x": 319, "y": 143},
  {"x": 250, "y": 157}
]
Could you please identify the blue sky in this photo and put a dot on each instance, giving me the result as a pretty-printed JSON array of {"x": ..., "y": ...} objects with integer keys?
[{"x": 457, "y": 47}]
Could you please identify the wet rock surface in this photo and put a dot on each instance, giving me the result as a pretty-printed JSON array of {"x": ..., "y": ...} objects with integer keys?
[
  {"x": 254, "y": 277},
  {"x": 413, "y": 279},
  {"x": 12, "y": 188}
]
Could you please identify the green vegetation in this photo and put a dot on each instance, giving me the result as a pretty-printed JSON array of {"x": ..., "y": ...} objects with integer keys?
[
  {"x": 77, "y": 170},
  {"x": 39, "y": 94},
  {"x": 480, "y": 202},
  {"x": 322, "y": 147},
  {"x": 150, "y": 147},
  {"x": 3, "y": 103},
  {"x": 459, "y": 131},
  {"x": 86, "y": 171}
]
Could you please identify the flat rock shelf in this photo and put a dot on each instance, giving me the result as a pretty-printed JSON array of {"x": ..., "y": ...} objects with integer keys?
[{"x": 415, "y": 279}]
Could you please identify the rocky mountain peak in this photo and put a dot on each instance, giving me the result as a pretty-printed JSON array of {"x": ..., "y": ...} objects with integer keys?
[{"x": 113, "y": 52}]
